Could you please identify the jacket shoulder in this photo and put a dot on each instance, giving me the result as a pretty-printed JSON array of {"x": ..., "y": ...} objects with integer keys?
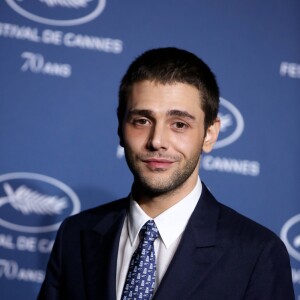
[
  {"x": 89, "y": 218},
  {"x": 236, "y": 227}
]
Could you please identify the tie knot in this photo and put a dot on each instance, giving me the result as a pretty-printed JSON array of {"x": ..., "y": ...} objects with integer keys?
[{"x": 149, "y": 231}]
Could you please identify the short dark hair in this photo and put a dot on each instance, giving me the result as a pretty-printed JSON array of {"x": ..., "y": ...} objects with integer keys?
[{"x": 171, "y": 65}]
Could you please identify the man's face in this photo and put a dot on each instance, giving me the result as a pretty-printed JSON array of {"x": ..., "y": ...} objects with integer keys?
[{"x": 163, "y": 135}]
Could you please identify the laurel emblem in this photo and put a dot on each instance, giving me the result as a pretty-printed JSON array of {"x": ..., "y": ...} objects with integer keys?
[
  {"x": 226, "y": 121},
  {"x": 28, "y": 201},
  {"x": 67, "y": 3}
]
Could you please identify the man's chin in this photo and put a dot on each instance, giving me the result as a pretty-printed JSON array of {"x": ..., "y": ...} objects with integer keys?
[{"x": 155, "y": 187}]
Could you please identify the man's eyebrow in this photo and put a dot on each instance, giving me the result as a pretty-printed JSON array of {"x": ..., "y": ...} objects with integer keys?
[
  {"x": 149, "y": 113},
  {"x": 141, "y": 112},
  {"x": 180, "y": 113}
]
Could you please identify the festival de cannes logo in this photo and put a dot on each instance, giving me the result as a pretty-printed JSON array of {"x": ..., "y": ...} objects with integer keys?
[
  {"x": 232, "y": 124},
  {"x": 35, "y": 203},
  {"x": 58, "y": 12},
  {"x": 290, "y": 235}
]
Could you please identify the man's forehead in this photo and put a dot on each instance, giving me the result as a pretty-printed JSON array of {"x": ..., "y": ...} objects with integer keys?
[{"x": 148, "y": 95}]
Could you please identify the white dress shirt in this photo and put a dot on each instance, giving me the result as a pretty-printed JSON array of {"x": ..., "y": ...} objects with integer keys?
[{"x": 170, "y": 224}]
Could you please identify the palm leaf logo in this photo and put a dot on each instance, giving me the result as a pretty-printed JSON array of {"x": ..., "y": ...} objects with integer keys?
[
  {"x": 28, "y": 201},
  {"x": 226, "y": 121}
]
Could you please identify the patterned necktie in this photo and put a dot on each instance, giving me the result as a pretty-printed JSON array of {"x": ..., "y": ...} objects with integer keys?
[{"x": 140, "y": 278}]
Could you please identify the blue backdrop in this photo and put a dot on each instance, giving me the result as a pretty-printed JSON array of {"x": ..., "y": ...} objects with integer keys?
[{"x": 61, "y": 64}]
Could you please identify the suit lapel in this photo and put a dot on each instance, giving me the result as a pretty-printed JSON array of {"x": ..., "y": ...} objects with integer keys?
[
  {"x": 197, "y": 252},
  {"x": 99, "y": 255}
]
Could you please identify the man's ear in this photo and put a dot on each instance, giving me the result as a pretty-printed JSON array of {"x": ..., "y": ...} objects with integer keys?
[{"x": 211, "y": 136}]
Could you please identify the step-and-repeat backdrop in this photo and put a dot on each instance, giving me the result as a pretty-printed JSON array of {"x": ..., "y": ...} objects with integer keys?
[{"x": 61, "y": 64}]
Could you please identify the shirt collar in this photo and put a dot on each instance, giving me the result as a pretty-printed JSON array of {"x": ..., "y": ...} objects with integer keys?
[{"x": 171, "y": 223}]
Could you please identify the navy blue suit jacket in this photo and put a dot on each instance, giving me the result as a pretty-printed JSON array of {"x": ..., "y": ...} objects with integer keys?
[{"x": 222, "y": 255}]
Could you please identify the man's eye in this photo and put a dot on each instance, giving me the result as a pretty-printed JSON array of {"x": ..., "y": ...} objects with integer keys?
[
  {"x": 140, "y": 122},
  {"x": 180, "y": 125}
]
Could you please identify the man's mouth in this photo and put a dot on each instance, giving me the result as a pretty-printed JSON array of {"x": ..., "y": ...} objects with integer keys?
[{"x": 158, "y": 163}]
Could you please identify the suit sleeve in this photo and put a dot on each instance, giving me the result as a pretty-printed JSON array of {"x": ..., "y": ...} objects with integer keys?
[
  {"x": 51, "y": 287},
  {"x": 271, "y": 277}
]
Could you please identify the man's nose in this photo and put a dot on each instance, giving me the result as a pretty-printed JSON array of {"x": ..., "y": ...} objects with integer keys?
[{"x": 158, "y": 137}]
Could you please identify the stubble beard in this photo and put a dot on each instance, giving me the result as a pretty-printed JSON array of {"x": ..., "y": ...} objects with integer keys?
[{"x": 156, "y": 185}]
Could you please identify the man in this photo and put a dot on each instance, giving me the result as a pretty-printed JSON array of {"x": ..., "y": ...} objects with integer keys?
[{"x": 170, "y": 239}]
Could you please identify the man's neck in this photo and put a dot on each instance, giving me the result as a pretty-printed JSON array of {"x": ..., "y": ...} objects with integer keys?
[{"x": 155, "y": 204}]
